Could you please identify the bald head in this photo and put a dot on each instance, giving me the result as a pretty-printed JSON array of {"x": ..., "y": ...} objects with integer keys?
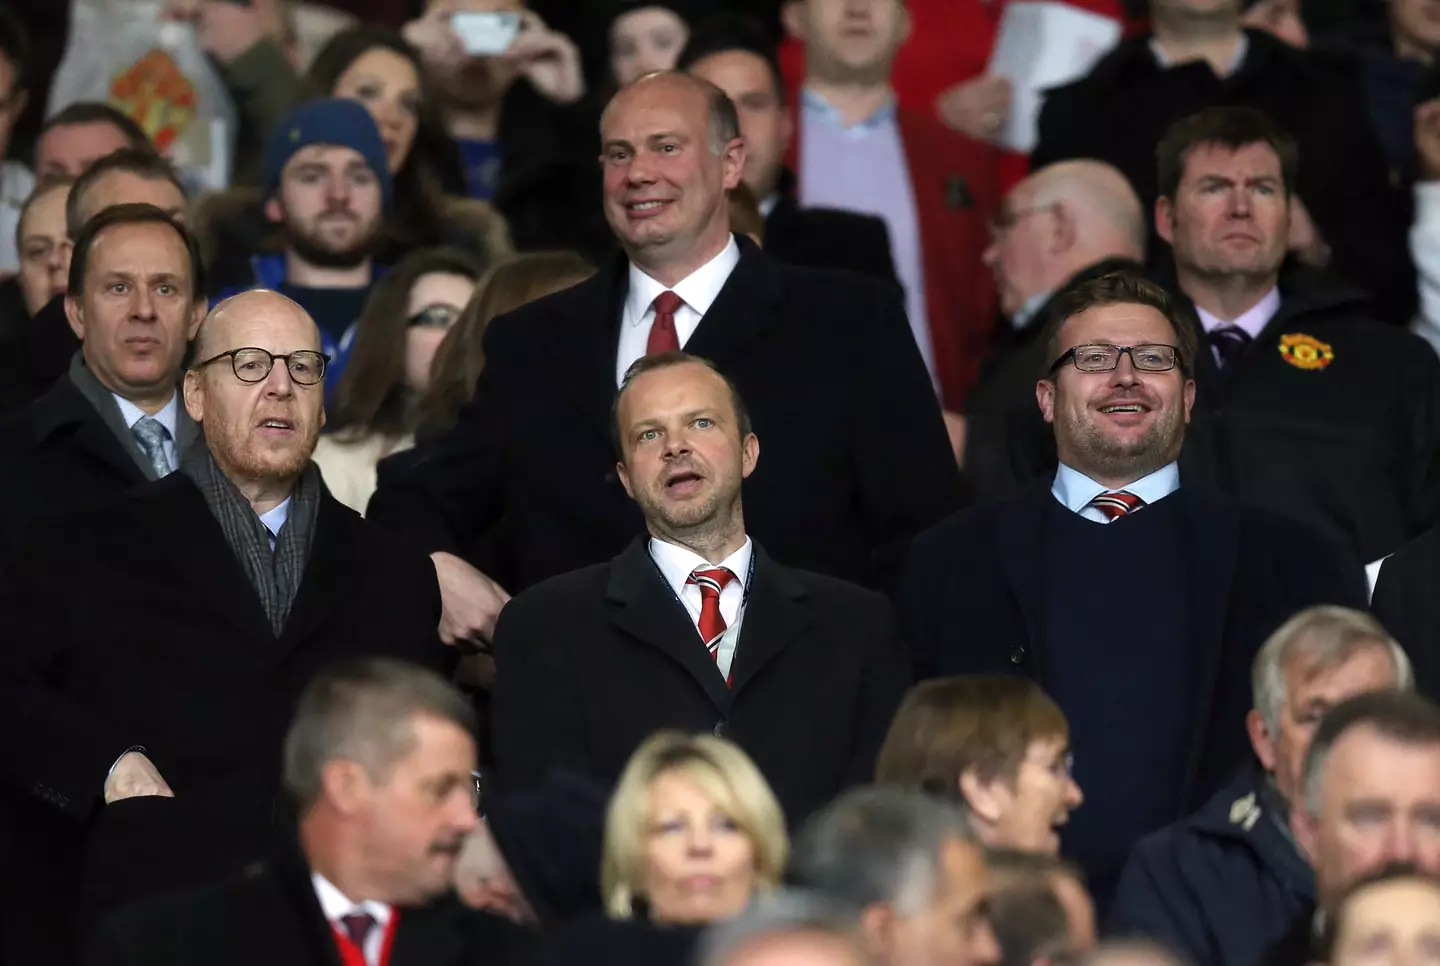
[
  {"x": 666, "y": 87},
  {"x": 1060, "y": 221},
  {"x": 217, "y": 331}
]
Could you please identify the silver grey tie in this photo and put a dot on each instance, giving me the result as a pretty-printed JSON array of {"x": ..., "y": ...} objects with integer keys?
[{"x": 151, "y": 435}]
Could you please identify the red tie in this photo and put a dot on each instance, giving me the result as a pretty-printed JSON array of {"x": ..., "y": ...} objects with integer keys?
[
  {"x": 663, "y": 337},
  {"x": 1116, "y": 505},
  {"x": 712, "y": 625}
]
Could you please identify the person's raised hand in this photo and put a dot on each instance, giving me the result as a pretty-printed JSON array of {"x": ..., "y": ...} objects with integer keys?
[
  {"x": 548, "y": 58},
  {"x": 978, "y": 107},
  {"x": 470, "y": 601},
  {"x": 135, "y": 776}
]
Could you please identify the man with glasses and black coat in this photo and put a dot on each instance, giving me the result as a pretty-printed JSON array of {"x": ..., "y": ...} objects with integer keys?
[
  {"x": 1305, "y": 404},
  {"x": 1137, "y": 603},
  {"x": 158, "y": 641}
]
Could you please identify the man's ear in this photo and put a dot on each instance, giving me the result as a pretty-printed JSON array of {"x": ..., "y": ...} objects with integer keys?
[
  {"x": 273, "y": 212},
  {"x": 733, "y": 159},
  {"x": 1261, "y": 739},
  {"x": 1066, "y": 230},
  {"x": 75, "y": 316},
  {"x": 792, "y": 15},
  {"x": 1164, "y": 225},
  {"x": 624, "y": 475},
  {"x": 1045, "y": 398},
  {"x": 749, "y": 455},
  {"x": 344, "y": 784},
  {"x": 194, "y": 395},
  {"x": 877, "y": 929}
]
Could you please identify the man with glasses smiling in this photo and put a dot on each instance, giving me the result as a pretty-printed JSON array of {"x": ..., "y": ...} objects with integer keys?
[
  {"x": 1136, "y": 603},
  {"x": 152, "y": 712}
]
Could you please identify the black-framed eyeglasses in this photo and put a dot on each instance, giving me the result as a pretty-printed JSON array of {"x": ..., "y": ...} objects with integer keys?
[
  {"x": 439, "y": 316},
  {"x": 253, "y": 364},
  {"x": 1104, "y": 357}
]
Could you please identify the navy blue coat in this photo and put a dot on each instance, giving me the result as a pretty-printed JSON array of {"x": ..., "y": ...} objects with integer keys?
[{"x": 1219, "y": 887}]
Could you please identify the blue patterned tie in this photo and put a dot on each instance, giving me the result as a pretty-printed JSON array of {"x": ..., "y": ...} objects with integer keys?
[
  {"x": 1229, "y": 343},
  {"x": 151, "y": 434}
]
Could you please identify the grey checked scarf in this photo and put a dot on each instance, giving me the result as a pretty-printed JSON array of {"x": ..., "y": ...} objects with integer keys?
[{"x": 274, "y": 575}]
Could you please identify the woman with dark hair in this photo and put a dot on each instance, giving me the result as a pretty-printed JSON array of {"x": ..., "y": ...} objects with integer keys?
[
  {"x": 373, "y": 411},
  {"x": 460, "y": 358},
  {"x": 377, "y": 68}
]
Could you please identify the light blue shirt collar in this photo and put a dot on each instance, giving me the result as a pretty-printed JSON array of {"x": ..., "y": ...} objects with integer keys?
[
  {"x": 1075, "y": 490},
  {"x": 275, "y": 519},
  {"x": 166, "y": 417},
  {"x": 821, "y": 109}
]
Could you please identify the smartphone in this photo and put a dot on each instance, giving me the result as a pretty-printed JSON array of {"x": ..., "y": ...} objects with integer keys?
[{"x": 485, "y": 34}]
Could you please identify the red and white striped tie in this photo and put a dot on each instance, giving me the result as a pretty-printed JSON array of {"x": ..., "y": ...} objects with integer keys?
[
  {"x": 1116, "y": 505},
  {"x": 712, "y": 624}
]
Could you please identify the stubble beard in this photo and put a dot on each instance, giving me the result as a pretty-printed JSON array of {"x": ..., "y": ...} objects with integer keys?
[{"x": 1108, "y": 458}]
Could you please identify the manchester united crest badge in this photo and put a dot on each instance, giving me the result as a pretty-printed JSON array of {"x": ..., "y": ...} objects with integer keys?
[{"x": 1305, "y": 351}]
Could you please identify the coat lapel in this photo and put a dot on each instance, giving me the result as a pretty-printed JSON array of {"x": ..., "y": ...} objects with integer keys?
[
  {"x": 775, "y": 614},
  {"x": 177, "y": 523},
  {"x": 585, "y": 343},
  {"x": 644, "y": 607},
  {"x": 64, "y": 411},
  {"x": 748, "y": 304},
  {"x": 1018, "y": 525},
  {"x": 1213, "y": 539},
  {"x": 320, "y": 588}
]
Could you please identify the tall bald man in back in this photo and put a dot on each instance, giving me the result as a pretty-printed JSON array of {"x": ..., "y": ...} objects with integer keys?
[
  {"x": 153, "y": 715},
  {"x": 1065, "y": 224},
  {"x": 825, "y": 360}
]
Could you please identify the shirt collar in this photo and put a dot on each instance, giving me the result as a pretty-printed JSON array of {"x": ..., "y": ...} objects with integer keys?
[
  {"x": 767, "y": 205},
  {"x": 335, "y": 904},
  {"x": 1241, "y": 49},
  {"x": 677, "y": 563},
  {"x": 275, "y": 519},
  {"x": 166, "y": 417},
  {"x": 1026, "y": 313},
  {"x": 699, "y": 289},
  {"x": 1252, "y": 321},
  {"x": 817, "y": 107},
  {"x": 1075, "y": 490}
]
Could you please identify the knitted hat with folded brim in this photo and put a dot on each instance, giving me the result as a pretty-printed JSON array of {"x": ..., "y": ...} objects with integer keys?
[{"x": 332, "y": 121}]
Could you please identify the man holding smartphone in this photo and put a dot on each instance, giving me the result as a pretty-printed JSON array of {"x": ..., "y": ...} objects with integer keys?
[{"x": 510, "y": 88}]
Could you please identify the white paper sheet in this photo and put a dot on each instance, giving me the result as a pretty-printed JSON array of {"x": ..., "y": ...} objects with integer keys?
[{"x": 1043, "y": 44}]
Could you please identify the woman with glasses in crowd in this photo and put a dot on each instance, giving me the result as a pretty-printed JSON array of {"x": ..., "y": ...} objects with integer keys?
[{"x": 374, "y": 409}]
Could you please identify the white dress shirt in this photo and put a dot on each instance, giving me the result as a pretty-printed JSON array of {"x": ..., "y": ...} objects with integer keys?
[
  {"x": 275, "y": 519},
  {"x": 1252, "y": 321},
  {"x": 166, "y": 417},
  {"x": 1075, "y": 490},
  {"x": 677, "y": 563},
  {"x": 699, "y": 290},
  {"x": 336, "y": 905}
]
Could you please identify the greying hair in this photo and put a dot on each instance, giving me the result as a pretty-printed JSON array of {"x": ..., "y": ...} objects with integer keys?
[
  {"x": 1323, "y": 637},
  {"x": 1401, "y": 717},
  {"x": 1132, "y": 947},
  {"x": 1029, "y": 923},
  {"x": 776, "y": 913},
  {"x": 877, "y": 845},
  {"x": 363, "y": 711}
]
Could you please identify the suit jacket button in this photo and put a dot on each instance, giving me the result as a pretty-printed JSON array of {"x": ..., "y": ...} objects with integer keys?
[
  {"x": 719, "y": 729},
  {"x": 1017, "y": 656}
]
